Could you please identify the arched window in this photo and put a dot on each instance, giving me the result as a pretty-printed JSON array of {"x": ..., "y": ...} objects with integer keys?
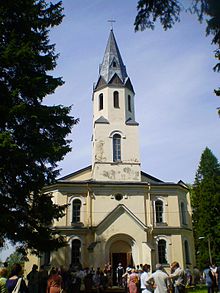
[
  {"x": 116, "y": 99},
  {"x": 186, "y": 248},
  {"x": 76, "y": 206},
  {"x": 162, "y": 251},
  {"x": 100, "y": 102},
  {"x": 129, "y": 103},
  {"x": 116, "y": 148},
  {"x": 76, "y": 251},
  {"x": 159, "y": 211},
  {"x": 183, "y": 213}
]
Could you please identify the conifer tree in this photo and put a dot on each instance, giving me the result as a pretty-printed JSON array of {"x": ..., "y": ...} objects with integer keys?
[
  {"x": 33, "y": 136},
  {"x": 205, "y": 198}
]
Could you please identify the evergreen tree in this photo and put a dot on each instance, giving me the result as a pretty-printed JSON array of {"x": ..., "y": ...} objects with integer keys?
[
  {"x": 33, "y": 136},
  {"x": 205, "y": 197}
]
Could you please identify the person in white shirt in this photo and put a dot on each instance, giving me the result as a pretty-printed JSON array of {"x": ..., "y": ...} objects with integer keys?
[
  {"x": 145, "y": 288},
  {"x": 160, "y": 279}
]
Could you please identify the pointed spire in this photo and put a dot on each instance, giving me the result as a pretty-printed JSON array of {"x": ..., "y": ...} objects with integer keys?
[{"x": 112, "y": 62}]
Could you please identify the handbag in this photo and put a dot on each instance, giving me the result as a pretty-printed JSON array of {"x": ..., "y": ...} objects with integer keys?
[{"x": 17, "y": 286}]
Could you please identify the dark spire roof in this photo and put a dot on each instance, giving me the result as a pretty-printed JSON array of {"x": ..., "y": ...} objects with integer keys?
[{"x": 112, "y": 62}]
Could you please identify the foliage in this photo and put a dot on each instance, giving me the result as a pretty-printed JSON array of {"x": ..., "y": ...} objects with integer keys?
[
  {"x": 205, "y": 199},
  {"x": 168, "y": 13},
  {"x": 32, "y": 135},
  {"x": 15, "y": 257},
  {"x": 149, "y": 11}
]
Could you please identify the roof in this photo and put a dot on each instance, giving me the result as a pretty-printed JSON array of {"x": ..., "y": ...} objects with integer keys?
[
  {"x": 112, "y": 62},
  {"x": 112, "y": 66},
  {"x": 83, "y": 176}
]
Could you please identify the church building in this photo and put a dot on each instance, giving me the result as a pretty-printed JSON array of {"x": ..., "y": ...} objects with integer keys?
[{"x": 117, "y": 212}]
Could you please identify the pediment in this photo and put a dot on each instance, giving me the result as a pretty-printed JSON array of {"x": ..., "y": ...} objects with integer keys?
[
  {"x": 101, "y": 83},
  {"x": 120, "y": 211},
  {"x": 115, "y": 80}
]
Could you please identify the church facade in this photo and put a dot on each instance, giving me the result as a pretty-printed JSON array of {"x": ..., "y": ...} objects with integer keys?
[{"x": 116, "y": 212}]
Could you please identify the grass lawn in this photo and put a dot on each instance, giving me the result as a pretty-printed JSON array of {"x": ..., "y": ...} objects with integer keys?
[{"x": 198, "y": 289}]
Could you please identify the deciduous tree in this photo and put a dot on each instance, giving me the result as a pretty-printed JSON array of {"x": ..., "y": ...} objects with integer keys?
[{"x": 33, "y": 136}]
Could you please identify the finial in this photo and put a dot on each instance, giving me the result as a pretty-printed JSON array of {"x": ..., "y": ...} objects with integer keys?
[{"x": 111, "y": 21}]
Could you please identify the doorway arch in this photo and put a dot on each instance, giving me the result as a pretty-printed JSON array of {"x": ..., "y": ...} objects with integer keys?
[{"x": 120, "y": 249}]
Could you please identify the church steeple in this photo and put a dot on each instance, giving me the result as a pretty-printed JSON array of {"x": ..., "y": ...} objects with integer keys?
[
  {"x": 112, "y": 69},
  {"x": 112, "y": 62},
  {"x": 115, "y": 132}
]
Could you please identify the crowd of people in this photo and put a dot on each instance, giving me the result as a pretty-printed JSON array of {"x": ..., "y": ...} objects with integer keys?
[
  {"x": 140, "y": 279},
  {"x": 131, "y": 279}
]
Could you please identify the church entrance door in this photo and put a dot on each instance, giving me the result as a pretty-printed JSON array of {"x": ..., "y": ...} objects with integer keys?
[
  {"x": 116, "y": 259},
  {"x": 120, "y": 252}
]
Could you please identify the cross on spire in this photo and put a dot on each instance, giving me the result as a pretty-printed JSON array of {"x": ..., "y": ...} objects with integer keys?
[{"x": 111, "y": 22}]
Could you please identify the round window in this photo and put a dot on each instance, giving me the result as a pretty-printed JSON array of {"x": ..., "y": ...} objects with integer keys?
[{"x": 118, "y": 196}]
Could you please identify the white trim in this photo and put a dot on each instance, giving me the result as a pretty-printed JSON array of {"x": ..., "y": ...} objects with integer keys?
[
  {"x": 70, "y": 240},
  {"x": 168, "y": 244},
  {"x": 117, "y": 132},
  {"x": 73, "y": 198},
  {"x": 164, "y": 216}
]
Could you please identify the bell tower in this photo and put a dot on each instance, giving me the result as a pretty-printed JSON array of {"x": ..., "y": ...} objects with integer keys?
[{"x": 115, "y": 141}]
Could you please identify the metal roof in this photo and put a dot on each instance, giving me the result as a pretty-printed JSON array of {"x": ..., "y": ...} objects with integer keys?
[{"x": 112, "y": 62}]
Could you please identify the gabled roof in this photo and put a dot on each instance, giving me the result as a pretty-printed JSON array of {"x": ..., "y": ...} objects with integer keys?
[
  {"x": 146, "y": 177},
  {"x": 76, "y": 174},
  {"x": 86, "y": 172},
  {"x": 84, "y": 176}
]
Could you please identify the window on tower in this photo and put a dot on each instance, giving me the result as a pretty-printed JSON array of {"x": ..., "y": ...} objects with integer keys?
[
  {"x": 116, "y": 99},
  {"x": 100, "y": 102},
  {"x": 129, "y": 103},
  {"x": 116, "y": 148}
]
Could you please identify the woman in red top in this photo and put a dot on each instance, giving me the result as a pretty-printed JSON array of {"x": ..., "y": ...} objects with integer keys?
[{"x": 54, "y": 282}]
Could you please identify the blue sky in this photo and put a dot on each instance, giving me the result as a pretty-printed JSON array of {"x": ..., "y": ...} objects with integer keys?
[{"x": 172, "y": 76}]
